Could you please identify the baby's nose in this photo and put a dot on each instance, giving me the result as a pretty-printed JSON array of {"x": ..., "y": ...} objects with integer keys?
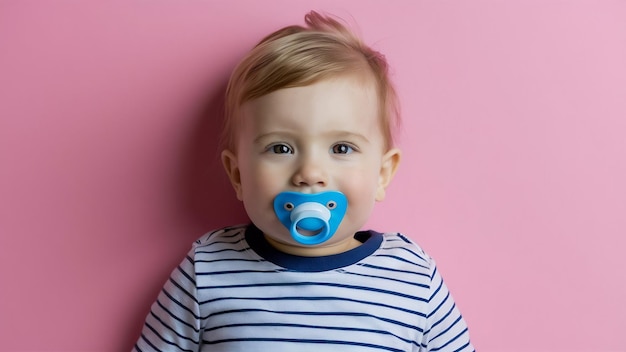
[{"x": 310, "y": 173}]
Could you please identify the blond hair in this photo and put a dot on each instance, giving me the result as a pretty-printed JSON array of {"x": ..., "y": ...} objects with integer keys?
[{"x": 297, "y": 56}]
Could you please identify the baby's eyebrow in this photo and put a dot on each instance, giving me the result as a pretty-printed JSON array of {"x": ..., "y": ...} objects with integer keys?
[
  {"x": 332, "y": 135},
  {"x": 273, "y": 134},
  {"x": 349, "y": 135}
]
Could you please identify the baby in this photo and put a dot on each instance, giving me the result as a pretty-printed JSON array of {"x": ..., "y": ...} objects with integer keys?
[{"x": 308, "y": 147}]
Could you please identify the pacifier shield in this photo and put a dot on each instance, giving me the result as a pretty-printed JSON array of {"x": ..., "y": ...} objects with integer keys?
[{"x": 311, "y": 218}]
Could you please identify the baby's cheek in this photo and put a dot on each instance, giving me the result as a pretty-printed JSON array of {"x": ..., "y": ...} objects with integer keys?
[{"x": 261, "y": 179}]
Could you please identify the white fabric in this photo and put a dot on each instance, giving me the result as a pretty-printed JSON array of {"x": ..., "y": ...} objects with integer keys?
[{"x": 229, "y": 294}]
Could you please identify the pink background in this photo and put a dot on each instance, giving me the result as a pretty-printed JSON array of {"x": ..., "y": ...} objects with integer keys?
[{"x": 512, "y": 178}]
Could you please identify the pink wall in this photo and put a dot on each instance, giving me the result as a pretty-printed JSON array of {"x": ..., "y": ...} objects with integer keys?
[{"x": 513, "y": 176}]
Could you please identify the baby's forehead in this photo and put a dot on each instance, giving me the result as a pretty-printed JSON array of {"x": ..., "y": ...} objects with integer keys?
[
  {"x": 341, "y": 91},
  {"x": 356, "y": 81},
  {"x": 328, "y": 108}
]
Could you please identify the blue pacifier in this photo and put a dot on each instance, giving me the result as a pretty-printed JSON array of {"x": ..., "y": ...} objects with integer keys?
[{"x": 319, "y": 214}]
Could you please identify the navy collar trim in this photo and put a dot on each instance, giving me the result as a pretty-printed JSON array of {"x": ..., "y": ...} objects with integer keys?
[{"x": 371, "y": 242}]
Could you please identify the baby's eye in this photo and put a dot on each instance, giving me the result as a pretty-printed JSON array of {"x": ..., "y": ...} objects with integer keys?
[
  {"x": 342, "y": 148},
  {"x": 280, "y": 149}
]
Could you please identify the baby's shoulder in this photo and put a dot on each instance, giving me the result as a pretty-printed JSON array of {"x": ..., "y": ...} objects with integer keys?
[
  {"x": 402, "y": 246},
  {"x": 225, "y": 236}
]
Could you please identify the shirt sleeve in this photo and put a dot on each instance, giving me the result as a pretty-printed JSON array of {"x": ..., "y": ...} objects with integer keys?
[
  {"x": 446, "y": 329},
  {"x": 174, "y": 321}
]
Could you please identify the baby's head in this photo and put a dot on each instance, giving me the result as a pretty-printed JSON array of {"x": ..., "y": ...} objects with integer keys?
[
  {"x": 310, "y": 111},
  {"x": 298, "y": 56}
]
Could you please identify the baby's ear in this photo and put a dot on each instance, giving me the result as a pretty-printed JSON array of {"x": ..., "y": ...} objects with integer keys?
[
  {"x": 388, "y": 168},
  {"x": 229, "y": 160}
]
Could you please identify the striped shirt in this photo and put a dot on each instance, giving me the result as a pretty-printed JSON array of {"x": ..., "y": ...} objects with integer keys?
[{"x": 235, "y": 292}]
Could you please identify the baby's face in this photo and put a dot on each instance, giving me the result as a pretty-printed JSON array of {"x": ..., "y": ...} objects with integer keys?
[{"x": 321, "y": 137}]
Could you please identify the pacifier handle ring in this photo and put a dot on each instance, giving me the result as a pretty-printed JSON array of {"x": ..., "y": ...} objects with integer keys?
[{"x": 310, "y": 240}]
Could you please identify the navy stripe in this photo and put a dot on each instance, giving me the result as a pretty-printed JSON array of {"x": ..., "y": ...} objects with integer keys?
[
  {"x": 318, "y": 327},
  {"x": 182, "y": 289},
  {"x": 228, "y": 272},
  {"x": 403, "y": 238},
  {"x": 226, "y": 260},
  {"x": 412, "y": 283},
  {"x": 303, "y": 341},
  {"x": 436, "y": 291},
  {"x": 218, "y": 243},
  {"x": 329, "y": 284},
  {"x": 179, "y": 303},
  {"x": 184, "y": 273},
  {"x": 413, "y": 253},
  {"x": 189, "y": 259},
  {"x": 215, "y": 233},
  {"x": 433, "y": 312},
  {"x": 450, "y": 341},
  {"x": 320, "y": 298},
  {"x": 464, "y": 347},
  {"x": 339, "y": 314},
  {"x": 224, "y": 250},
  {"x": 445, "y": 316},
  {"x": 143, "y": 337},
  {"x": 176, "y": 317},
  {"x": 166, "y": 341},
  {"x": 394, "y": 270},
  {"x": 401, "y": 259},
  {"x": 432, "y": 276},
  {"x": 172, "y": 329},
  {"x": 448, "y": 329}
]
